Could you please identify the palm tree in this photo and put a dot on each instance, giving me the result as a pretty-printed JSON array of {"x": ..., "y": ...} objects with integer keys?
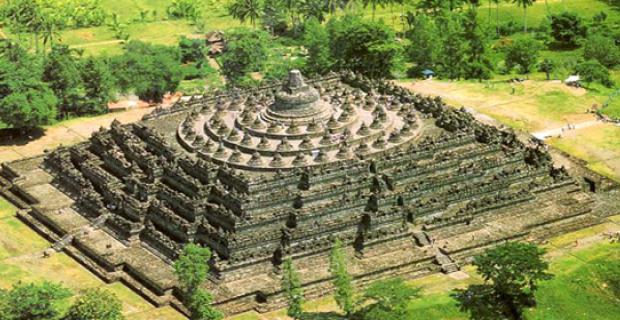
[
  {"x": 496, "y": 14},
  {"x": 246, "y": 10},
  {"x": 524, "y": 4},
  {"x": 373, "y": 4}
]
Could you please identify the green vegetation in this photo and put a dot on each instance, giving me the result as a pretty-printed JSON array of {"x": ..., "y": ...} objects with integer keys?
[
  {"x": 192, "y": 270},
  {"x": 32, "y": 301},
  {"x": 511, "y": 272},
  {"x": 148, "y": 70},
  {"x": 291, "y": 285},
  {"x": 43, "y": 301},
  {"x": 388, "y": 299},
  {"x": 96, "y": 304},
  {"x": 342, "y": 280}
]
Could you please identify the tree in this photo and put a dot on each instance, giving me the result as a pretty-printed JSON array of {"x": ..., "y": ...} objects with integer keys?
[
  {"x": 523, "y": 52},
  {"x": 25, "y": 16},
  {"x": 477, "y": 64},
  {"x": 96, "y": 304},
  {"x": 425, "y": 46},
  {"x": 547, "y": 66},
  {"x": 511, "y": 272},
  {"x": 342, "y": 280},
  {"x": 98, "y": 84},
  {"x": 61, "y": 72},
  {"x": 246, "y": 52},
  {"x": 149, "y": 70},
  {"x": 243, "y": 10},
  {"x": 373, "y": 4},
  {"x": 200, "y": 305},
  {"x": 191, "y": 269},
  {"x": 316, "y": 41},
  {"x": 192, "y": 50},
  {"x": 524, "y": 4},
  {"x": 291, "y": 285},
  {"x": 603, "y": 49},
  {"x": 388, "y": 299},
  {"x": 32, "y": 301},
  {"x": 496, "y": 14},
  {"x": 191, "y": 266},
  {"x": 26, "y": 102},
  {"x": 593, "y": 71},
  {"x": 366, "y": 47},
  {"x": 274, "y": 16},
  {"x": 451, "y": 35},
  {"x": 313, "y": 9},
  {"x": 567, "y": 28}
]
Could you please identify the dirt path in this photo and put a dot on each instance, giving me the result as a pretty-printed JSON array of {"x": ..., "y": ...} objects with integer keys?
[
  {"x": 65, "y": 133},
  {"x": 542, "y": 135}
]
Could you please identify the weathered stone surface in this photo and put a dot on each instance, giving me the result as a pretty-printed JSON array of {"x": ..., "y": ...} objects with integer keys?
[{"x": 409, "y": 185}]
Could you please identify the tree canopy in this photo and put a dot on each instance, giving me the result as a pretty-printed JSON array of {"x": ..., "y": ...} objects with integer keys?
[
  {"x": 367, "y": 47},
  {"x": 149, "y": 70},
  {"x": 567, "y": 28},
  {"x": 388, "y": 299},
  {"x": 32, "y": 301},
  {"x": 246, "y": 53},
  {"x": 522, "y": 53},
  {"x": 292, "y": 289},
  {"x": 511, "y": 272},
  {"x": 26, "y": 102},
  {"x": 96, "y": 304},
  {"x": 342, "y": 279},
  {"x": 192, "y": 270}
]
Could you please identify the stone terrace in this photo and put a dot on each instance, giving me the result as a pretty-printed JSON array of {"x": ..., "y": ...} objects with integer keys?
[{"x": 408, "y": 184}]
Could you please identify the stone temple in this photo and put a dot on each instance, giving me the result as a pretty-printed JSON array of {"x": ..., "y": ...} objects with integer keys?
[{"x": 410, "y": 185}]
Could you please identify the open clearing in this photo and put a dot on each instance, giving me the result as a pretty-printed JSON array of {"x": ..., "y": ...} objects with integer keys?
[{"x": 538, "y": 106}]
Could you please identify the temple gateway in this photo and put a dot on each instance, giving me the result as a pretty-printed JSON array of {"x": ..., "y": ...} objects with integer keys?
[{"x": 409, "y": 185}]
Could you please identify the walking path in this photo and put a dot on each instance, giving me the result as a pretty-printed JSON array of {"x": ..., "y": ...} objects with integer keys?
[
  {"x": 64, "y": 133},
  {"x": 555, "y": 132}
]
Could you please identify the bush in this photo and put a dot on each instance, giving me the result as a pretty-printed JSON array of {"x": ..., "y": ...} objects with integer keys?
[
  {"x": 603, "y": 49},
  {"x": 567, "y": 28},
  {"x": 184, "y": 9},
  {"x": 192, "y": 50},
  {"x": 594, "y": 71},
  {"x": 522, "y": 53},
  {"x": 193, "y": 71},
  {"x": 96, "y": 304},
  {"x": 510, "y": 27}
]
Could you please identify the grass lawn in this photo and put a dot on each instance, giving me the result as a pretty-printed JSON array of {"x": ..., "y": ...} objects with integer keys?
[
  {"x": 21, "y": 260},
  {"x": 598, "y": 145}
]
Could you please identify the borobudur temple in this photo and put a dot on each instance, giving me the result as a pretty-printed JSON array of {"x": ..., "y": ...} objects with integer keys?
[{"x": 410, "y": 186}]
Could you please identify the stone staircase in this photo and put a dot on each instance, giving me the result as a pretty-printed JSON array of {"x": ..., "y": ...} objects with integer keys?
[{"x": 68, "y": 238}]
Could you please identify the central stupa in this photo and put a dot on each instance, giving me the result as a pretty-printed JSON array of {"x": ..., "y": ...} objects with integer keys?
[{"x": 297, "y": 101}]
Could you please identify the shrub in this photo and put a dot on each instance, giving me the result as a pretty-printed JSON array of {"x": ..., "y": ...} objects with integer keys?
[{"x": 567, "y": 28}]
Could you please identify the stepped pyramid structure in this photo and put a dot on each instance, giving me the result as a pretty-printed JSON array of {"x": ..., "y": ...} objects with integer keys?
[{"x": 410, "y": 185}]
